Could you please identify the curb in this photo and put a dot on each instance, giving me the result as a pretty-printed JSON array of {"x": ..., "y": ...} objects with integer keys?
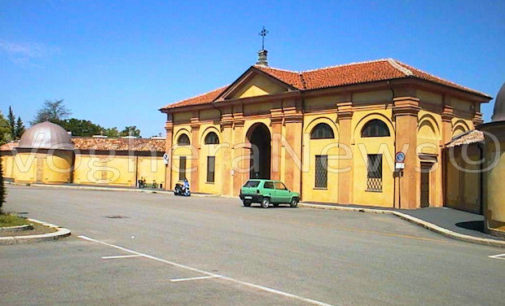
[
  {"x": 427, "y": 225},
  {"x": 99, "y": 188},
  {"x": 17, "y": 228},
  {"x": 60, "y": 233}
]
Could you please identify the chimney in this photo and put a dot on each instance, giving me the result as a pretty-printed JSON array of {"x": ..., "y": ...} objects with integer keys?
[{"x": 262, "y": 58}]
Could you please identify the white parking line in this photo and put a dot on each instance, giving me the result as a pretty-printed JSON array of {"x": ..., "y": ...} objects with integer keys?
[
  {"x": 120, "y": 256},
  {"x": 213, "y": 275},
  {"x": 191, "y": 278},
  {"x": 499, "y": 256}
]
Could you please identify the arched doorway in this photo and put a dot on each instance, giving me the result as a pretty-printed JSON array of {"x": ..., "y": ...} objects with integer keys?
[{"x": 260, "y": 140}]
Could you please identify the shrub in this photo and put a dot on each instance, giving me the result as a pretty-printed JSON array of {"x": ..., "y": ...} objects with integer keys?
[{"x": 2, "y": 187}]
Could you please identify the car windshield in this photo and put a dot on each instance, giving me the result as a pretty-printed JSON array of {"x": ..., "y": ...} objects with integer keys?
[{"x": 252, "y": 184}]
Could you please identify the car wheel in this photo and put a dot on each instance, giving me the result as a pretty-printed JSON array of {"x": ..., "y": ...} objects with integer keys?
[
  {"x": 265, "y": 203},
  {"x": 294, "y": 202},
  {"x": 246, "y": 203}
]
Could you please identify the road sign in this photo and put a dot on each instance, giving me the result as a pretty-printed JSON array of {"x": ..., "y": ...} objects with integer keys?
[
  {"x": 400, "y": 157},
  {"x": 400, "y": 166},
  {"x": 165, "y": 158}
]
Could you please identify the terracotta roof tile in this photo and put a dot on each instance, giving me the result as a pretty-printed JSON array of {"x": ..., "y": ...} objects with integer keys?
[
  {"x": 469, "y": 137},
  {"x": 119, "y": 144},
  {"x": 105, "y": 144},
  {"x": 349, "y": 74},
  {"x": 9, "y": 146},
  {"x": 200, "y": 99}
]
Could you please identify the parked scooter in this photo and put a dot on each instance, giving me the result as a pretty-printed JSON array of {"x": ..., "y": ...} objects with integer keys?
[{"x": 182, "y": 189}]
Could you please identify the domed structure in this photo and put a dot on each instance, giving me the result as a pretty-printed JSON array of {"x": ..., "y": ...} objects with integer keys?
[
  {"x": 46, "y": 135},
  {"x": 499, "y": 105}
]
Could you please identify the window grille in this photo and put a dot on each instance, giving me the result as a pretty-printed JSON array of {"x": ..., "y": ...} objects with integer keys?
[
  {"x": 322, "y": 131},
  {"x": 374, "y": 173},
  {"x": 211, "y": 138},
  {"x": 375, "y": 128},
  {"x": 321, "y": 171},
  {"x": 183, "y": 140},
  {"x": 182, "y": 168},
  {"x": 211, "y": 167}
]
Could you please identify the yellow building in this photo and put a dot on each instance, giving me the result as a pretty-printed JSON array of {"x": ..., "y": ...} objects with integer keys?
[
  {"x": 47, "y": 154},
  {"x": 330, "y": 134}
]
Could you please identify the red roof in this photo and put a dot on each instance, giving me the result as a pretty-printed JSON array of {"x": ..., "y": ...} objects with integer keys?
[{"x": 349, "y": 74}]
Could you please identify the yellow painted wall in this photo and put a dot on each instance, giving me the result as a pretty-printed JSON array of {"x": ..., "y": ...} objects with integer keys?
[
  {"x": 216, "y": 150},
  {"x": 313, "y": 147},
  {"x": 8, "y": 166},
  {"x": 258, "y": 86},
  {"x": 178, "y": 151},
  {"x": 47, "y": 168},
  {"x": 152, "y": 169},
  {"x": 494, "y": 195},
  {"x": 463, "y": 187},
  {"x": 372, "y": 145},
  {"x": 104, "y": 170}
]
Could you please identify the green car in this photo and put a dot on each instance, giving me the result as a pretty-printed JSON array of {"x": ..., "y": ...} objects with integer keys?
[{"x": 267, "y": 192}]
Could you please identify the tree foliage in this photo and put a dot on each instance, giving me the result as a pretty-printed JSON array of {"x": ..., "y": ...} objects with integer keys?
[
  {"x": 79, "y": 127},
  {"x": 130, "y": 131},
  {"x": 20, "y": 128},
  {"x": 52, "y": 111},
  {"x": 5, "y": 130},
  {"x": 12, "y": 123},
  {"x": 111, "y": 132}
]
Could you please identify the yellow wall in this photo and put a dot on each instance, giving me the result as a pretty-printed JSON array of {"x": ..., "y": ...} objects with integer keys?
[
  {"x": 259, "y": 85},
  {"x": 372, "y": 145},
  {"x": 313, "y": 147},
  {"x": 178, "y": 151},
  {"x": 8, "y": 166},
  {"x": 48, "y": 168},
  {"x": 463, "y": 179},
  {"x": 494, "y": 194},
  {"x": 211, "y": 150}
]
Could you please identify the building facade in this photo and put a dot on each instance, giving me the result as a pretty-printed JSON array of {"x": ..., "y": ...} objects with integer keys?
[
  {"x": 47, "y": 154},
  {"x": 330, "y": 134}
]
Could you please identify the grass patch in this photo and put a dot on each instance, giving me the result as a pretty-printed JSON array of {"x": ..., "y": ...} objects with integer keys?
[{"x": 11, "y": 220}]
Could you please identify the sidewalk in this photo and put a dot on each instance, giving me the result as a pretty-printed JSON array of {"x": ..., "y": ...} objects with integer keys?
[
  {"x": 449, "y": 222},
  {"x": 458, "y": 221}
]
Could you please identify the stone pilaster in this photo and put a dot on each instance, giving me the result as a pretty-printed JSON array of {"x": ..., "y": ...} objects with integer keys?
[
  {"x": 169, "y": 128},
  {"x": 240, "y": 154},
  {"x": 345, "y": 179},
  {"x": 293, "y": 123},
  {"x": 195, "y": 152},
  {"x": 405, "y": 111},
  {"x": 227, "y": 143}
]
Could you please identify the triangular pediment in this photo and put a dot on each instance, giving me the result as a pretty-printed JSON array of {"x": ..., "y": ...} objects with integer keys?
[{"x": 254, "y": 83}]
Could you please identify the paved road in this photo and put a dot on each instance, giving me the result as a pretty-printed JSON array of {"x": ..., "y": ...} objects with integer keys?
[{"x": 213, "y": 251}]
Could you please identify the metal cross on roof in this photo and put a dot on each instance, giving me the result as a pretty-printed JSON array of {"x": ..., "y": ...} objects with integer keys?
[{"x": 263, "y": 33}]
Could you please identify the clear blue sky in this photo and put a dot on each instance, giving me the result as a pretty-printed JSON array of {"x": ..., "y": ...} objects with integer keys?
[{"x": 117, "y": 62}]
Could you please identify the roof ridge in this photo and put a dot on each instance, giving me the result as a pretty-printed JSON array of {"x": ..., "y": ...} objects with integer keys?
[
  {"x": 275, "y": 68},
  {"x": 442, "y": 79},
  {"x": 349, "y": 64},
  {"x": 399, "y": 67}
]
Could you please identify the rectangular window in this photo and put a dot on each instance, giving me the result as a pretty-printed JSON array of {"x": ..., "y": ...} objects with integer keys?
[
  {"x": 374, "y": 173},
  {"x": 211, "y": 168},
  {"x": 182, "y": 168},
  {"x": 268, "y": 185},
  {"x": 321, "y": 171}
]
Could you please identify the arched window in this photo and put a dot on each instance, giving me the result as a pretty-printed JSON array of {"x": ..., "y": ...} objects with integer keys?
[
  {"x": 211, "y": 138},
  {"x": 322, "y": 131},
  {"x": 375, "y": 128},
  {"x": 183, "y": 140}
]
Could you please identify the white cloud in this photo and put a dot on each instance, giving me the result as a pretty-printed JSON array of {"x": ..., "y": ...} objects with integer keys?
[{"x": 22, "y": 53}]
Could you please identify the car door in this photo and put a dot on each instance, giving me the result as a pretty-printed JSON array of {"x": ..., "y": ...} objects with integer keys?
[
  {"x": 269, "y": 191},
  {"x": 282, "y": 193}
]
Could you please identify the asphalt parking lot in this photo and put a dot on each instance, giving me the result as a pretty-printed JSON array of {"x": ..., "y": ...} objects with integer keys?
[{"x": 137, "y": 248}]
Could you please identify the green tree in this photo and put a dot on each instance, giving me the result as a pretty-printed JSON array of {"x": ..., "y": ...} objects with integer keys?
[
  {"x": 12, "y": 123},
  {"x": 111, "y": 132},
  {"x": 79, "y": 127},
  {"x": 20, "y": 128},
  {"x": 130, "y": 131},
  {"x": 5, "y": 130},
  {"x": 2, "y": 187},
  {"x": 52, "y": 111}
]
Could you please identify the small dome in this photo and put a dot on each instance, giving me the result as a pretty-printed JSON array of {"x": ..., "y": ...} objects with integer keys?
[
  {"x": 499, "y": 105},
  {"x": 46, "y": 135}
]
